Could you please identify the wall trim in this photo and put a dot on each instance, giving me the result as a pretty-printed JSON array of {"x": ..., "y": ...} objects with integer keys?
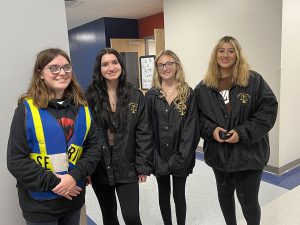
[
  {"x": 283, "y": 169},
  {"x": 273, "y": 169}
]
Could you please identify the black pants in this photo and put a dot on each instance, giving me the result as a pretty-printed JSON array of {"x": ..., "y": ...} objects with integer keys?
[
  {"x": 164, "y": 193},
  {"x": 71, "y": 218},
  {"x": 246, "y": 184},
  {"x": 128, "y": 195}
]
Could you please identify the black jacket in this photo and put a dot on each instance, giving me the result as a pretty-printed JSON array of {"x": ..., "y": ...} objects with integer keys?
[
  {"x": 132, "y": 152},
  {"x": 176, "y": 136},
  {"x": 31, "y": 176},
  {"x": 253, "y": 114}
]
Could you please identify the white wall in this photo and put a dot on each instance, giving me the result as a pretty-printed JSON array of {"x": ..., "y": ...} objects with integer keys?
[
  {"x": 289, "y": 85},
  {"x": 193, "y": 27},
  {"x": 26, "y": 28}
]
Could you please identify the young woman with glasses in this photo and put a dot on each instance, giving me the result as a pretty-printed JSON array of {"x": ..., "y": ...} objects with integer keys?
[
  {"x": 237, "y": 109},
  {"x": 174, "y": 119},
  {"x": 53, "y": 145}
]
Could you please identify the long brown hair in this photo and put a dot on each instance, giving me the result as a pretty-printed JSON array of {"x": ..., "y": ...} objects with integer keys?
[
  {"x": 239, "y": 72},
  {"x": 182, "y": 87},
  {"x": 38, "y": 90}
]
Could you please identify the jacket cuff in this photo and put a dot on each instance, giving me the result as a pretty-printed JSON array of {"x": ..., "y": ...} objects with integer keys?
[
  {"x": 75, "y": 173},
  {"x": 211, "y": 135},
  {"x": 241, "y": 133},
  {"x": 144, "y": 171},
  {"x": 55, "y": 182}
]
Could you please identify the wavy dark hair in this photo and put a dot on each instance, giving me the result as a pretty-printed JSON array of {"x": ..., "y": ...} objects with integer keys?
[{"x": 96, "y": 95}]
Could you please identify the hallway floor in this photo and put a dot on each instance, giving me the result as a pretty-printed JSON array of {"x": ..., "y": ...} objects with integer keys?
[{"x": 279, "y": 200}]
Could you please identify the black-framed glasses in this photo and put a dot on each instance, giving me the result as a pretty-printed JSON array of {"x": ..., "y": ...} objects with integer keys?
[
  {"x": 55, "y": 69},
  {"x": 168, "y": 65}
]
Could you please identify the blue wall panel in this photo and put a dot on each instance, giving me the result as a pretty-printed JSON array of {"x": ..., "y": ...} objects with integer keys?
[
  {"x": 85, "y": 42},
  {"x": 120, "y": 28}
]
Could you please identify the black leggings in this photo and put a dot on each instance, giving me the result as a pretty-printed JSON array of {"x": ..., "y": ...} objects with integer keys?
[
  {"x": 128, "y": 195},
  {"x": 164, "y": 193},
  {"x": 246, "y": 184}
]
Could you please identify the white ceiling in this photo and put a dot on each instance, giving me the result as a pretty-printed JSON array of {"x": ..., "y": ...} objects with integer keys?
[{"x": 80, "y": 12}]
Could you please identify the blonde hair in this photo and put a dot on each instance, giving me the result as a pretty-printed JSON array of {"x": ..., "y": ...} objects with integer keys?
[
  {"x": 239, "y": 72},
  {"x": 183, "y": 90},
  {"x": 38, "y": 90}
]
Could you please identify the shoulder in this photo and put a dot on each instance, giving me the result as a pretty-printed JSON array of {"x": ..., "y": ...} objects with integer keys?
[
  {"x": 200, "y": 87},
  {"x": 191, "y": 91},
  {"x": 255, "y": 75},
  {"x": 255, "y": 78},
  {"x": 190, "y": 97},
  {"x": 19, "y": 115},
  {"x": 152, "y": 92},
  {"x": 20, "y": 108},
  {"x": 136, "y": 96},
  {"x": 24, "y": 105},
  {"x": 134, "y": 91}
]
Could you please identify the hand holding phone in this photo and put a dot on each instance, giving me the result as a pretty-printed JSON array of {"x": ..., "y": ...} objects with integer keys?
[{"x": 224, "y": 135}]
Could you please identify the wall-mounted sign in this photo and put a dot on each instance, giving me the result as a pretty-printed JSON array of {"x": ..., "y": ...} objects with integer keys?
[{"x": 147, "y": 69}]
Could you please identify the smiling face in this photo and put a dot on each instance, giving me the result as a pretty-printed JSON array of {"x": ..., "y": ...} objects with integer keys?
[
  {"x": 57, "y": 82},
  {"x": 166, "y": 67},
  {"x": 110, "y": 67},
  {"x": 226, "y": 57}
]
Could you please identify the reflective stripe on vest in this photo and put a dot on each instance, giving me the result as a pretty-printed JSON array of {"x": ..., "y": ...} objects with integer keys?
[{"x": 48, "y": 145}]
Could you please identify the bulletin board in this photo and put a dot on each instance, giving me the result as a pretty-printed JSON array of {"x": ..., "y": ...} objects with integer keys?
[{"x": 147, "y": 69}]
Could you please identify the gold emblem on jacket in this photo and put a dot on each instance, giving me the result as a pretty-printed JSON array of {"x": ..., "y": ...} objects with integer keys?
[
  {"x": 181, "y": 109},
  {"x": 133, "y": 107},
  {"x": 243, "y": 97}
]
